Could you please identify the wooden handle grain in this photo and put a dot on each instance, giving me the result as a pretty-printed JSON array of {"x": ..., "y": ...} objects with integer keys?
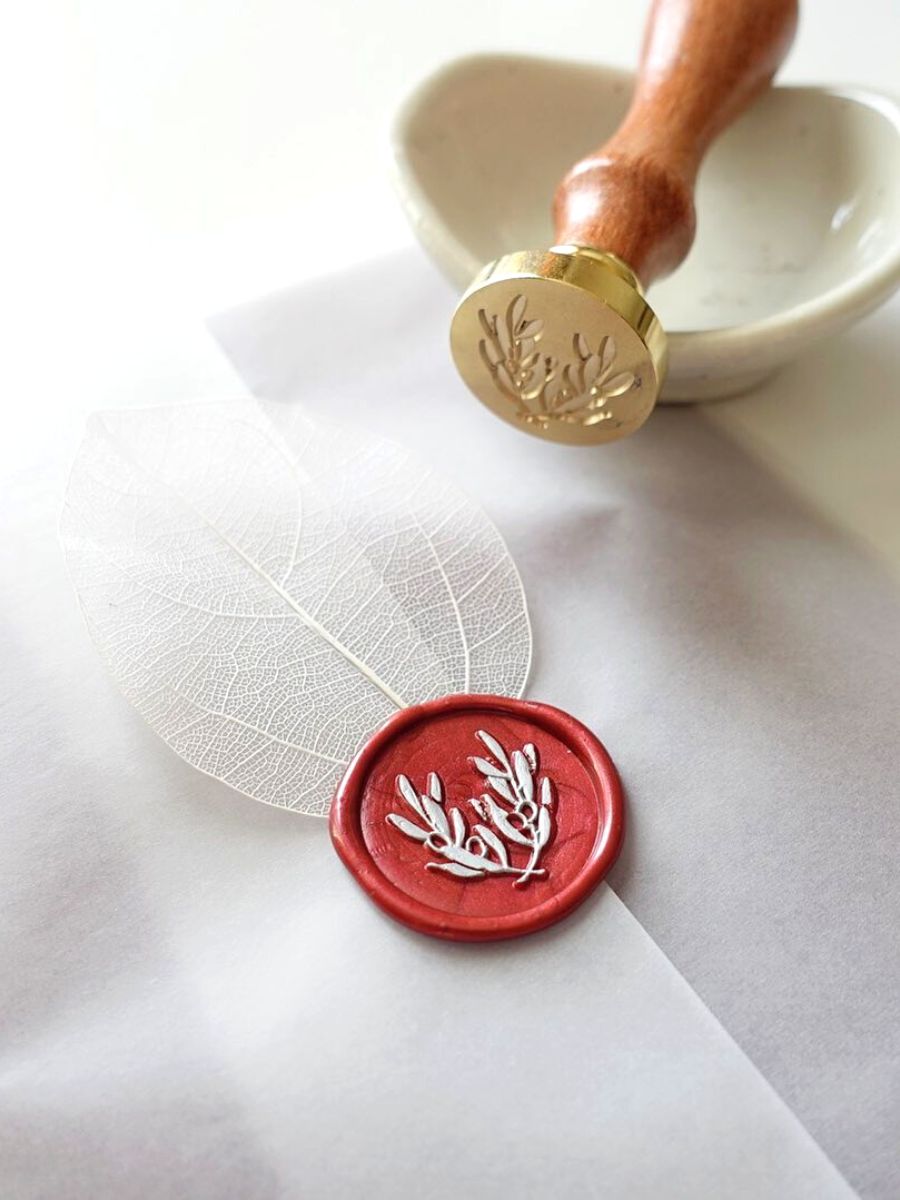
[{"x": 703, "y": 62}]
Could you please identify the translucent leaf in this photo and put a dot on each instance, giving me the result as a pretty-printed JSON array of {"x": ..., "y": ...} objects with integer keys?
[{"x": 268, "y": 590}]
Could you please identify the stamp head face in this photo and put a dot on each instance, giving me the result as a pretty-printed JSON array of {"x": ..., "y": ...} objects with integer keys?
[
  {"x": 561, "y": 344},
  {"x": 479, "y": 817}
]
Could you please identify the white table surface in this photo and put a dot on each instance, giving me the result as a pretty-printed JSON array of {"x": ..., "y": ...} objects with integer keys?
[{"x": 175, "y": 160}]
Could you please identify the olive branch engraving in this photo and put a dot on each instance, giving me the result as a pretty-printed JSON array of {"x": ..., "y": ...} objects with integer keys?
[
  {"x": 517, "y": 814},
  {"x": 578, "y": 393}
]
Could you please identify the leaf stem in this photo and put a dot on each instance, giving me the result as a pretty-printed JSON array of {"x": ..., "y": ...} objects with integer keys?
[
  {"x": 491, "y": 869},
  {"x": 531, "y": 869}
]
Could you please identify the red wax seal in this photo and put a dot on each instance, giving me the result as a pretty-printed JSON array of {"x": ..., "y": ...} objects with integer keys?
[{"x": 479, "y": 817}]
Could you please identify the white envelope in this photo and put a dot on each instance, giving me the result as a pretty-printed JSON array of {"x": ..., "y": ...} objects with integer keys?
[
  {"x": 199, "y": 1001},
  {"x": 738, "y": 653}
]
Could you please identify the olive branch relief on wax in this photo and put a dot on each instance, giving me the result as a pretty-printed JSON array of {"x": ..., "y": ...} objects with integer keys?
[{"x": 515, "y": 812}]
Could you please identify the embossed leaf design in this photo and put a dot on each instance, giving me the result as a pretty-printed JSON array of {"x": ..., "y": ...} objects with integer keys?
[
  {"x": 517, "y": 312},
  {"x": 490, "y": 743},
  {"x": 407, "y": 827},
  {"x": 523, "y": 775},
  {"x": 267, "y": 590},
  {"x": 484, "y": 853},
  {"x": 501, "y": 820},
  {"x": 490, "y": 839},
  {"x": 542, "y": 393},
  {"x": 608, "y": 352},
  {"x": 459, "y": 826},
  {"x": 544, "y": 827},
  {"x": 590, "y": 370},
  {"x": 618, "y": 385},
  {"x": 482, "y": 765},
  {"x": 436, "y": 815},
  {"x": 410, "y": 795}
]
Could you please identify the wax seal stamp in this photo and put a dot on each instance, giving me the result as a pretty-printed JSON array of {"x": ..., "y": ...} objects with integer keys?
[
  {"x": 479, "y": 817},
  {"x": 561, "y": 342}
]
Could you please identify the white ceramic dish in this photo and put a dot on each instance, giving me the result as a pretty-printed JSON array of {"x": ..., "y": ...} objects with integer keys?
[{"x": 798, "y": 204}]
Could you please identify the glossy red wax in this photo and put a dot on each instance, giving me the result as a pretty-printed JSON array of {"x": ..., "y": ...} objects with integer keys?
[{"x": 461, "y": 883}]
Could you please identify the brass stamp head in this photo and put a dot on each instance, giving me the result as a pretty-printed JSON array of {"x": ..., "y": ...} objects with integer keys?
[{"x": 561, "y": 343}]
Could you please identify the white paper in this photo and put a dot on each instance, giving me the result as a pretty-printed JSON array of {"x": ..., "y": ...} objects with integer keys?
[
  {"x": 198, "y": 1001},
  {"x": 737, "y": 654}
]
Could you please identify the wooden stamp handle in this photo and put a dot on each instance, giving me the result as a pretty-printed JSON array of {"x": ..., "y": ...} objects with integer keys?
[{"x": 703, "y": 62}]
